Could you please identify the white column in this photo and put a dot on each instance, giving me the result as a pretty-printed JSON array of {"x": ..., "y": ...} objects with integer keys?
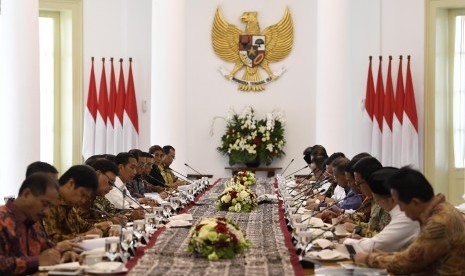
[
  {"x": 19, "y": 91},
  {"x": 332, "y": 88},
  {"x": 168, "y": 104}
]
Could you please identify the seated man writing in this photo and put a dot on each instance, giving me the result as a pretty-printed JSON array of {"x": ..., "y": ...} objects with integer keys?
[
  {"x": 63, "y": 222},
  {"x": 24, "y": 245}
]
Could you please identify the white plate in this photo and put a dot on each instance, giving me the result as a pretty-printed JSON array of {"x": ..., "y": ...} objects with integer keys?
[
  {"x": 326, "y": 255},
  {"x": 100, "y": 272},
  {"x": 110, "y": 268}
]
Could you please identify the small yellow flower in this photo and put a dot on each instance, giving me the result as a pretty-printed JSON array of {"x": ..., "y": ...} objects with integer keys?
[{"x": 213, "y": 257}]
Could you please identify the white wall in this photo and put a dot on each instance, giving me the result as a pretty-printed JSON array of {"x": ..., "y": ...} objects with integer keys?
[
  {"x": 169, "y": 116},
  {"x": 321, "y": 92},
  {"x": 187, "y": 79},
  {"x": 209, "y": 94},
  {"x": 328, "y": 65},
  {"x": 19, "y": 92},
  {"x": 121, "y": 29}
]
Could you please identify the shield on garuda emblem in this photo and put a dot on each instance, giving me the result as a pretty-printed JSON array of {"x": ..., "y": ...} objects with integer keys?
[{"x": 252, "y": 49}]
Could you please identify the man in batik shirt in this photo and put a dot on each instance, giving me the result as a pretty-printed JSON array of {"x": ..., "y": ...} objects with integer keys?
[
  {"x": 440, "y": 246},
  {"x": 154, "y": 177},
  {"x": 170, "y": 179},
  {"x": 24, "y": 244},
  {"x": 76, "y": 187}
]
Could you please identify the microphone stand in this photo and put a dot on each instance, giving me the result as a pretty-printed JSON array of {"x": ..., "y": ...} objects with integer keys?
[
  {"x": 316, "y": 183},
  {"x": 313, "y": 187},
  {"x": 132, "y": 199},
  {"x": 285, "y": 169},
  {"x": 287, "y": 176},
  {"x": 307, "y": 262},
  {"x": 326, "y": 208},
  {"x": 303, "y": 200},
  {"x": 317, "y": 169},
  {"x": 184, "y": 178},
  {"x": 192, "y": 169}
]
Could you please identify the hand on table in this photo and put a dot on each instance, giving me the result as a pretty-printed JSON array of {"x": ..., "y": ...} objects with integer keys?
[
  {"x": 69, "y": 256},
  {"x": 49, "y": 257},
  {"x": 67, "y": 245}
]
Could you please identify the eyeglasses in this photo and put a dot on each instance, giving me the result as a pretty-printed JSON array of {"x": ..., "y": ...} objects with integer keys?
[
  {"x": 111, "y": 182},
  {"x": 142, "y": 165}
]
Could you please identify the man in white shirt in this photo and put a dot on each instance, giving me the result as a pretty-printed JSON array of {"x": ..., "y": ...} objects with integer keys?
[
  {"x": 126, "y": 164},
  {"x": 400, "y": 232}
]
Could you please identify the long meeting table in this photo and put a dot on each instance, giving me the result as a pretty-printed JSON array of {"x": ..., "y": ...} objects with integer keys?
[{"x": 271, "y": 253}]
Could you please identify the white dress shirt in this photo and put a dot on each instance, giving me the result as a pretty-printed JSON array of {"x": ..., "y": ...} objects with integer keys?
[
  {"x": 339, "y": 193},
  {"x": 395, "y": 236},
  {"x": 115, "y": 196},
  {"x": 324, "y": 186}
]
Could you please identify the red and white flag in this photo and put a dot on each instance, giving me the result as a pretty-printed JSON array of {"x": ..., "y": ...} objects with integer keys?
[
  {"x": 131, "y": 119},
  {"x": 388, "y": 114},
  {"x": 119, "y": 111},
  {"x": 369, "y": 105},
  {"x": 90, "y": 115},
  {"x": 410, "y": 124},
  {"x": 376, "y": 135},
  {"x": 101, "y": 123},
  {"x": 398, "y": 118},
  {"x": 111, "y": 112}
]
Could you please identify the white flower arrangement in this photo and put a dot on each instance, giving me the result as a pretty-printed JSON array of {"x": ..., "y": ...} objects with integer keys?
[{"x": 247, "y": 139}]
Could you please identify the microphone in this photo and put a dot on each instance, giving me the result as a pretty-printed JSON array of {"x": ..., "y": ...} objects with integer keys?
[
  {"x": 124, "y": 195},
  {"x": 311, "y": 187},
  {"x": 305, "y": 198},
  {"x": 304, "y": 250},
  {"x": 296, "y": 171},
  {"x": 185, "y": 164},
  {"x": 329, "y": 206},
  {"x": 317, "y": 184},
  {"x": 156, "y": 180},
  {"x": 285, "y": 169},
  {"x": 184, "y": 178},
  {"x": 315, "y": 170}
]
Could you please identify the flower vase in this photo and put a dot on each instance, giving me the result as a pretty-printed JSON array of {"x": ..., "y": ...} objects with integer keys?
[{"x": 253, "y": 164}]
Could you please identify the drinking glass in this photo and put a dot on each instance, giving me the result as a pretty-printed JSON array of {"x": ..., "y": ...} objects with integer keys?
[
  {"x": 139, "y": 229},
  {"x": 112, "y": 248},
  {"x": 152, "y": 220},
  {"x": 296, "y": 218},
  {"x": 127, "y": 238},
  {"x": 175, "y": 202},
  {"x": 304, "y": 240},
  {"x": 166, "y": 209},
  {"x": 115, "y": 230},
  {"x": 158, "y": 211}
]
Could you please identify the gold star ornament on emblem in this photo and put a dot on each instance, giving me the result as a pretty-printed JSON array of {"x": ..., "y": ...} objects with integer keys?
[{"x": 252, "y": 49}]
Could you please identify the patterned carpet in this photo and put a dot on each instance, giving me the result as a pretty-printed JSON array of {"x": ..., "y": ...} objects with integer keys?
[{"x": 268, "y": 255}]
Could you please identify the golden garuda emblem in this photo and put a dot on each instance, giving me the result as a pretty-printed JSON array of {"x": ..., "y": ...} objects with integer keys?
[{"x": 252, "y": 48}]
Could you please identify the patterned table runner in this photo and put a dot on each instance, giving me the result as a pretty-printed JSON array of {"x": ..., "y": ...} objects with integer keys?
[{"x": 268, "y": 255}]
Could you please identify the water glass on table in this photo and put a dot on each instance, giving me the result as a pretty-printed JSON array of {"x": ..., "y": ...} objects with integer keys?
[
  {"x": 113, "y": 248},
  {"x": 152, "y": 220},
  {"x": 115, "y": 230}
]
